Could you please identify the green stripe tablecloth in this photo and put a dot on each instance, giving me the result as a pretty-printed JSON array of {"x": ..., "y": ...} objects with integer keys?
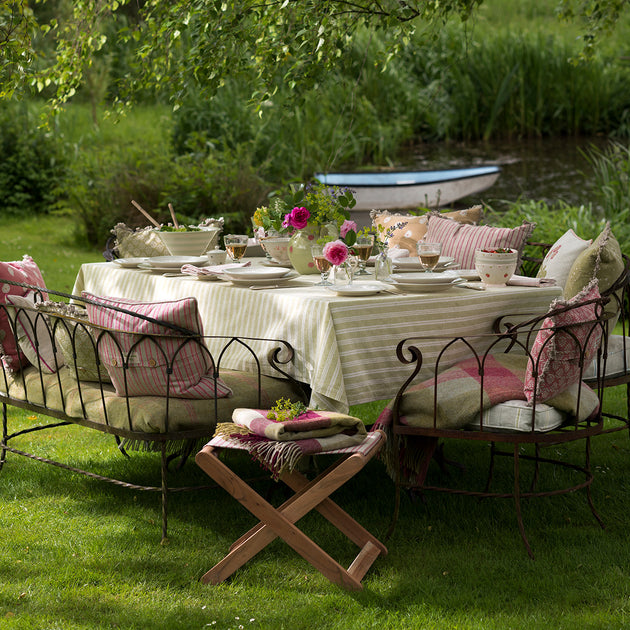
[{"x": 345, "y": 347}]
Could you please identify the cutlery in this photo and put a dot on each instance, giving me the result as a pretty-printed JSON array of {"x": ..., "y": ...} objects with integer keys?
[
  {"x": 258, "y": 287},
  {"x": 474, "y": 287}
]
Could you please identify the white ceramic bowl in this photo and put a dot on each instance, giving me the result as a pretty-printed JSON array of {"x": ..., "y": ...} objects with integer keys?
[
  {"x": 216, "y": 256},
  {"x": 495, "y": 268},
  {"x": 189, "y": 243},
  {"x": 278, "y": 248}
]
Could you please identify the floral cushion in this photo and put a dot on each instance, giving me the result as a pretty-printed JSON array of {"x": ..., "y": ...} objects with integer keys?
[
  {"x": 27, "y": 271},
  {"x": 149, "y": 359},
  {"x": 34, "y": 334},
  {"x": 555, "y": 358},
  {"x": 461, "y": 241},
  {"x": 415, "y": 227},
  {"x": 560, "y": 258}
]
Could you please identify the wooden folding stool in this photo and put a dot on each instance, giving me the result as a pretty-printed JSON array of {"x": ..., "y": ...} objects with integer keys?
[{"x": 280, "y": 522}]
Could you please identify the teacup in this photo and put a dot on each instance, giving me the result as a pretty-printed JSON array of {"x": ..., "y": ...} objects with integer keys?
[
  {"x": 216, "y": 256},
  {"x": 496, "y": 267}
]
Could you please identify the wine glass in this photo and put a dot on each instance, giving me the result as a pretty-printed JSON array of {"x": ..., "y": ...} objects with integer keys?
[
  {"x": 236, "y": 245},
  {"x": 429, "y": 254},
  {"x": 363, "y": 249},
  {"x": 323, "y": 265}
]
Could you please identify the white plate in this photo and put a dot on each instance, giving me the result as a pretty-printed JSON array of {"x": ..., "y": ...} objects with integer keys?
[
  {"x": 257, "y": 273},
  {"x": 252, "y": 282},
  {"x": 423, "y": 277},
  {"x": 468, "y": 274},
  {"x": 175, "y": 261},
  {"x": 427, "y": 288},
  {"x": 146, "y": 267},
  {"x": 129, "y": 262},
  {"x": 357, "y": 289},
  {"x": 414, "y": 262}
]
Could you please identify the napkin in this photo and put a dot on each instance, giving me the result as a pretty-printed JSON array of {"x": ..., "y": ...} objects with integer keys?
[
  {"x": 212, "y": 270},
  {"x": 525, "y": 281},
  {"x": 397, "y": 252}
]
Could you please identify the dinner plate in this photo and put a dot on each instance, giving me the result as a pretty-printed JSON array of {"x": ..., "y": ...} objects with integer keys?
[
  {"x": 427, "y": 288},
  {"x": 257, "y": 273},
  {"x": 252, "y": 282},
  {"x": 423, "y": 277},
  {"x": 129, "y": 262},
  {"x": 413, "y": 262},
  {"x": 357, "y": 289},
  {"x": 175, "y": 261}
]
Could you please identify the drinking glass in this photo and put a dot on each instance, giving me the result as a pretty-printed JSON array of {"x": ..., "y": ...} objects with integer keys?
[
  {"x": 236, "y": 245},
  {"x": 363, "y": 249},
  {"x": 323, "y": 265},
  {"x": 352, "y": 262},
  {"x": 429, "y": 254}
]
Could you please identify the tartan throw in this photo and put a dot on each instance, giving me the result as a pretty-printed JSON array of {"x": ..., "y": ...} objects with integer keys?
[{"x": 278, "y": 446}]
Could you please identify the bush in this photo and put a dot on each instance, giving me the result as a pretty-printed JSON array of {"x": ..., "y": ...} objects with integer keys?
[{"x": 33, "y": 166}]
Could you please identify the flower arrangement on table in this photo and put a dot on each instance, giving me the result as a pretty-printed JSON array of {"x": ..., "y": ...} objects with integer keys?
[{"x": 315, "y": 213}]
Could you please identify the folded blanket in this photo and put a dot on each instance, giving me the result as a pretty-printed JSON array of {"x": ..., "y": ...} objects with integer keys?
[
  {"x": 525, "y": 281},
  {"x": 213, "y": 270},
  {"x": 278, "y": 446}
]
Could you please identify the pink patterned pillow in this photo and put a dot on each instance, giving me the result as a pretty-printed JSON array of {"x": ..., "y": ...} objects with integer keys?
[
  {"x": 557, "y": 359},
  {"x": 27, "y": 271},
  {"x": 461, "y": 241},
  {"x": 192, "y": 369}
]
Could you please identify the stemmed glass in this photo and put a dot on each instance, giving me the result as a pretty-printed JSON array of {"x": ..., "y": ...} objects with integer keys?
[
  {"x": 363, "y": 249},
  {"x": 429, "y": 254},
  {"x": 323, "y": 265},
  {"x": 236, "y": 245}
]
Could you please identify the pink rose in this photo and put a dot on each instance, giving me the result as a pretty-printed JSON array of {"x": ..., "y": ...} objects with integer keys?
[
  {"x": 335, "y": 252},
  {"x": 298, "y": 218},
  {"x": 347, "y": 226}
]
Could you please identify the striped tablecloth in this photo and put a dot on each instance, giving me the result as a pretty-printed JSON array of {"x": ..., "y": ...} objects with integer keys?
[{"x": 345, "y": 347}]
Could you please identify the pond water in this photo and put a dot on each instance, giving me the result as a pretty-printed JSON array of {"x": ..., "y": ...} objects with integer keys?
[{"x": 542, "y": 169}]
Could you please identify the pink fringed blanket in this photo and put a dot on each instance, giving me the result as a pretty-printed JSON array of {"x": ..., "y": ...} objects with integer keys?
[{"x": 278, "y": 446}]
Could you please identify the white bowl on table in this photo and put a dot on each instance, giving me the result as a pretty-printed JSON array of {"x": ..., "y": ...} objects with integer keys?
[
  {"x": 189, "y": 243},
  {"x": 496, "y": 267}
]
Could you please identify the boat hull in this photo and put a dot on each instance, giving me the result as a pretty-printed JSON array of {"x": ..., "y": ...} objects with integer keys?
[{"x": 404, "y": 190}]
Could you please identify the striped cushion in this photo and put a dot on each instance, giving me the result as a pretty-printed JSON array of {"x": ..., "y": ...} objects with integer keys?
[
  {"x": 519, "y": 415},
  {"x": 460, "y": 241},
  {"x": 149, "y": 359},
  {"x": 27, "y": 271}
]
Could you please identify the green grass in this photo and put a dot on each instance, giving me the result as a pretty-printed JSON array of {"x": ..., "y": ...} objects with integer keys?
[{"x": 81, "y": 554}]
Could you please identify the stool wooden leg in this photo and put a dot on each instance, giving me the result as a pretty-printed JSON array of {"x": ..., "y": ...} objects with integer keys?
[{"x": 280, "y": 521}]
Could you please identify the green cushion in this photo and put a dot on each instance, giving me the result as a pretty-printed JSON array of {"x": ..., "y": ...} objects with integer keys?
[{"x": 601, "y": 260}]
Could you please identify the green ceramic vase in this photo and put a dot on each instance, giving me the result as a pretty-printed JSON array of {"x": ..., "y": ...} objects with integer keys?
[{"x": 300, "y": 246}]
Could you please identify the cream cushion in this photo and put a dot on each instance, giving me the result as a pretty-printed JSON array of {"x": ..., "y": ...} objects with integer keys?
[
  {"x": 516, "y": 415},
  {"x": 561, "y": 256}
]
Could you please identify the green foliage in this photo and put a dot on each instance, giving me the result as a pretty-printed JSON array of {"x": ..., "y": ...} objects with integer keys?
[{"x": 33, "y": 163}]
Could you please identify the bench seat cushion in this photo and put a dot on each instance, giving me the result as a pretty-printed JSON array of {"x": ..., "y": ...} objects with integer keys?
[{"x": 147, "y": 412}]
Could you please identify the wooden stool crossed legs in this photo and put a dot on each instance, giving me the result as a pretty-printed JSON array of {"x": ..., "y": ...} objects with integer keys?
[{"x": 280, "y": 522}]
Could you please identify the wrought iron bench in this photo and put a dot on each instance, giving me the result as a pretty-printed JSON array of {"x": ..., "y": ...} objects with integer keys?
[
  {"x": 482, "y": 399},
  {"x": 140, "y": 374}
]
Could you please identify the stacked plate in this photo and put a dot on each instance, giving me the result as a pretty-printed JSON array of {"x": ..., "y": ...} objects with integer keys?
[
  {"x": 413, "y": 264},
  {"x": 257, "y": 276},
  {"x": 425, "y": 282},
  {"x": 167, "y": 264}
]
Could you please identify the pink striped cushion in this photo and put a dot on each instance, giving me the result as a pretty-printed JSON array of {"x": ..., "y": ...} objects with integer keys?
[
  {"x": 461, "y": 241},
  {"x": 147, "y": 375},
  {"x": 27, "y": 271}
]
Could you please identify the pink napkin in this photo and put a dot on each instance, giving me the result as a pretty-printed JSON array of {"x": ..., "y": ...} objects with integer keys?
[
  {"x": 213, "y": 270},
  {"x": 525, "y": 281}
]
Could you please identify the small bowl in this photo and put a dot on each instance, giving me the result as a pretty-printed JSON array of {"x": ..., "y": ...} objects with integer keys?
[
  {"x": 278, "y": 248},
  {"x": 193, "y": 243},
  {"x": 495, "y": 268},
  {"x": 216, "y": 256}
]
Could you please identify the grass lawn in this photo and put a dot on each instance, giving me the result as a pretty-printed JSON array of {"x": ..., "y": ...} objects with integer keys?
[{"x": 80, "y": 554}]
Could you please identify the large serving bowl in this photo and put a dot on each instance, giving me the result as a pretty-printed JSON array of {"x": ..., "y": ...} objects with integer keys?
[
  {"x": 494, "y": 267},
  {"x": 278, "y": 248},
  {"x": 194, "y": 243}
]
